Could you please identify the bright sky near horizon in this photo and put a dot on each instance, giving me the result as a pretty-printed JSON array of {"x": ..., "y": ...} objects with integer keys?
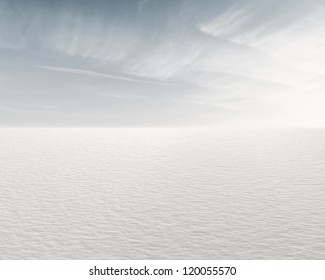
[{"x": 162, "y": 62}]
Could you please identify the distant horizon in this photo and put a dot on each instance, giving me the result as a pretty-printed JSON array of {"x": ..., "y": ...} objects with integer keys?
[{"x": 221, "y": 127}]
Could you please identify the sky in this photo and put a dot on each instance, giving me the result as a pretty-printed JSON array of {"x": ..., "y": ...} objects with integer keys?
[{"x": 162, "y": 63}]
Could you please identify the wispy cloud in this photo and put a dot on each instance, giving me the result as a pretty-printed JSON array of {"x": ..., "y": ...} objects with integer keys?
[
  {"x": 227, "y": 23},
  {"x": 242, "y": 56},
  {"x": 95, "y": 74}
]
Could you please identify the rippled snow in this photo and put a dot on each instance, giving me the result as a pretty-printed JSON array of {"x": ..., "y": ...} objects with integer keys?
[{"x": 160, "y": 193}]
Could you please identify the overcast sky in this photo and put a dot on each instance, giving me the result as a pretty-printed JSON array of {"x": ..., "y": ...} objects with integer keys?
[{"x": 162, "y": 62}]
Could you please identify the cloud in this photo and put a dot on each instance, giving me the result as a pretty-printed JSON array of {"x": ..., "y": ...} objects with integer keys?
[
  {"x": 226, "y": 23},
  {"x": 242, "y": 56},
  {"x": 95, "y": 74}
]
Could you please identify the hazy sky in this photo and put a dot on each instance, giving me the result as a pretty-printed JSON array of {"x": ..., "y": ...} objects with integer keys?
[{"x": 162, "y": 62}]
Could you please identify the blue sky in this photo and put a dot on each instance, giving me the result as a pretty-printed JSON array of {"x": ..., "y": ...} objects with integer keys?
[{"x": 162, "y": 63}]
